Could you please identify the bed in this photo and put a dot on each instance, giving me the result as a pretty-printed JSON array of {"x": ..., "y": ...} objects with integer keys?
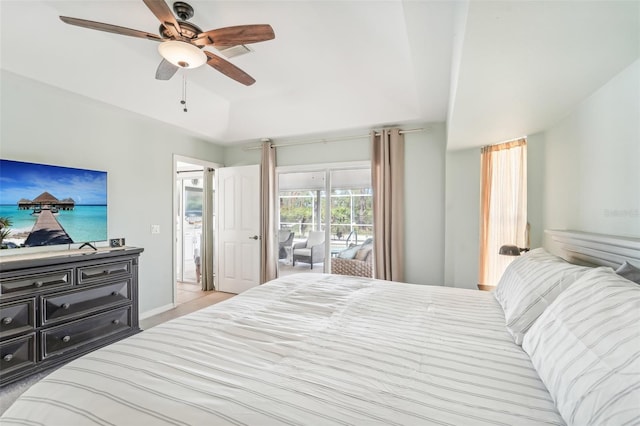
[{"x": 318, "y": 349}]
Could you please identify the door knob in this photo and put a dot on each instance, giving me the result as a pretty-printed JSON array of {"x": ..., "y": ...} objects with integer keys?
[{"x": 255, "y": 237}]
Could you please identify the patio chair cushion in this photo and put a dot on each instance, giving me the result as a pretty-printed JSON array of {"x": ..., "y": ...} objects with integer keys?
[
  {"x": 364, "y": 252},
  {"x": 349, "y": 253},
  {"x": 303, "y": 252},
  {"x": 315, "y": 238}
]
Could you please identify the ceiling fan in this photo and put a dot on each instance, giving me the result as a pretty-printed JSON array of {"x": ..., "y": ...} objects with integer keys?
[{"x": 182, "y": 42}]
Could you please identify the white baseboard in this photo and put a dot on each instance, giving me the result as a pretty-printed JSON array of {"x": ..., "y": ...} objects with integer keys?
[{"x": 156, "y": 311}]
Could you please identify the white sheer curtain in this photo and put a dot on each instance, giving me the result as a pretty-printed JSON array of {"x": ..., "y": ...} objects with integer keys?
[
  {"x": 503, "y": 206},
  {"x": 269, "y": 249},
  {"x": 206, "y": 241},
  {"x": 387, "y": 178}
]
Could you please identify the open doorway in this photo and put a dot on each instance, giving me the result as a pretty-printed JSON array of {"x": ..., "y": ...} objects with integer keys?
[
  {"x": 188, "y": 231},
  {"x": 191, "y": 232}
]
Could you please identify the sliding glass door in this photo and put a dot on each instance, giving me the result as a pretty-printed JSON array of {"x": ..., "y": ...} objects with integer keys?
[
  {"x": 310, "y": 222},
  {"x": 351, "y": 207},
  {"x": 302, "y": 196}
]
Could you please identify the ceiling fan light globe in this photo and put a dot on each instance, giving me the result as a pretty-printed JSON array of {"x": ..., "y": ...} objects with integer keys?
[{"x": 182, "y": 54}]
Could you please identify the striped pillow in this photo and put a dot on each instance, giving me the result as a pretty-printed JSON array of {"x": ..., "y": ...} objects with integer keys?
[
  {"x": 529, "y": 284},
  {"x": 586, "y": 349}
]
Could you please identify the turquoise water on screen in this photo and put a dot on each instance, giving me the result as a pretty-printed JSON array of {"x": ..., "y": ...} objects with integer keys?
[{"x": 83, "y": 223}]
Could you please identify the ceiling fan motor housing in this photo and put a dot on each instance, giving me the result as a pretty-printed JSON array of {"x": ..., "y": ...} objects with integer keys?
[
  {"x": 184, "y": 12},
  {"x": 187, "y": 29}
]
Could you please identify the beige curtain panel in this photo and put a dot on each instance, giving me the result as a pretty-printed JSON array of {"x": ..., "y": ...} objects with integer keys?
[
  {"x": 206, "y": 240},
  {"x": 387, "y": 173},
  {"x": 269, "y": 242},
  {"x": 503, "y": 206}
]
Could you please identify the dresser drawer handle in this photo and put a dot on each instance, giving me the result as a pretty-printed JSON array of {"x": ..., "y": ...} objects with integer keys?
[
  {"x": 115, "y": 322},
  {"x": 114, "y": 293},
  {"x": 7, "y": 357},
  {"x": 66, "y": 339},
  {"x": 38, "y": 284},
  {"x": 65, "y": 306},
  {"x": 7, "y": 320},
  {"x": 106, "y": 272}
]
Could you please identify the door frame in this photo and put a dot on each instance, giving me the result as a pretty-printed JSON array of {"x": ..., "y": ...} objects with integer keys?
[
  {"x": 327, "y": 168},
  {"x": 174, "y": 209}
]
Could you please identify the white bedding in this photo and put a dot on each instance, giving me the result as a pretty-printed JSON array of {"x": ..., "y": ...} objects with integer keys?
[{"x": 308, "y": 349}]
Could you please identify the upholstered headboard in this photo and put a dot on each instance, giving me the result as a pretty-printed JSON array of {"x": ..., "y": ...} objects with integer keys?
[{"x": 593, "y": 249}]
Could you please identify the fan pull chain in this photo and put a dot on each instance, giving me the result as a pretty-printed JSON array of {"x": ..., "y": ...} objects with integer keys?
[{"x": 184, "y": 93}]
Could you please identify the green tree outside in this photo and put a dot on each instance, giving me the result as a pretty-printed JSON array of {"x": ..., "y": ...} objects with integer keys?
[{"x": 350, "y": 210}]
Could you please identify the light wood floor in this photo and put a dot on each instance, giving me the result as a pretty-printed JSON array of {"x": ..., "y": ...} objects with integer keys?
[{"x": 189, "y": 291}]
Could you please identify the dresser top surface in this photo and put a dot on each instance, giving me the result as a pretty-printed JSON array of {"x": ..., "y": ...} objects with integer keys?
[{"x": 20, "y": 261}]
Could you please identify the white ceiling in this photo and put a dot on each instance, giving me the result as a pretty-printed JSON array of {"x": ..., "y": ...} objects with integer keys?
[{"x": 493, "y": 70}]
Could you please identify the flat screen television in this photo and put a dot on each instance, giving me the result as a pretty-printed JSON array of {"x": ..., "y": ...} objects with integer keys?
[{"x": 43, "y": 205}]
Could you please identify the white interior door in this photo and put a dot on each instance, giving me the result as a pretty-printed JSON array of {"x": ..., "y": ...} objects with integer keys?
[{"x": 238, "y": 228}]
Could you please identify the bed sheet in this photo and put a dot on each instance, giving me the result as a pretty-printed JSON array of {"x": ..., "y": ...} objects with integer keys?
[{"x": 307, "y": 349}]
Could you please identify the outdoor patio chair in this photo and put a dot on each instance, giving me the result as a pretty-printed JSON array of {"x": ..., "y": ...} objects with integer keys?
[
  {"x": 357, "y": 260},
  {"x": 310, "y": 251},
  {"x": 285, "y": 240}
]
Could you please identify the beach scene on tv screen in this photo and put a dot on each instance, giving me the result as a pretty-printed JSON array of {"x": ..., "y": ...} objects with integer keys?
[{"x": 43, "y": 205}]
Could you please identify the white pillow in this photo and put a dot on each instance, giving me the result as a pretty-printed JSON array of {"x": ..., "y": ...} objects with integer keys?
[
  {"x": 529, "y": 284},
  {"x": 586, "y": 349}
]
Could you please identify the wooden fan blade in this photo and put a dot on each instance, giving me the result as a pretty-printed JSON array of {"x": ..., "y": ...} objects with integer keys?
[
  {"x": 165, "y": 70},
  {"x": 228, "y": 69},
  {"x": 164, "y": 15},
  {"x": 109, "y": 28},
  {"x": 232, "y": 36}
]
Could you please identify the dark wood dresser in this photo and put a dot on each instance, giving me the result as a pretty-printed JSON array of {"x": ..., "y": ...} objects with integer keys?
[{"x": 56, "y": 306}]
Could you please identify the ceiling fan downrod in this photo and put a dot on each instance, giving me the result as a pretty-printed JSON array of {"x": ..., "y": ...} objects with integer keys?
[{"x": 183, "y": 10}]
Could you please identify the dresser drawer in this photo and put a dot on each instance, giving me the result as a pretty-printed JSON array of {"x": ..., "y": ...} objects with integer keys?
[
  {"x": 63, "y": 306},
  {"x": 17, "y": 317},
  {"x": 84, "y": 333},
  {"x": 89, "y": 274},
  {"x": 39, "y": 281},
  {"x": 17, "y": 354}
]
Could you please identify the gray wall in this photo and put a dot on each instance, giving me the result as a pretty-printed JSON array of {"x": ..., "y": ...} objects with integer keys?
[
  {"x": 424, "y": 177},
  {"x": 462, "y": 224},
  {"x": 583, "y": 174},
  {"x": 304, "y": 154},
  {"x": 592, "y": 179},
  {"x": 536, "y": 172},
  {"x": 40, "y": 123},
  {"x": 424, "y": 205}
]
